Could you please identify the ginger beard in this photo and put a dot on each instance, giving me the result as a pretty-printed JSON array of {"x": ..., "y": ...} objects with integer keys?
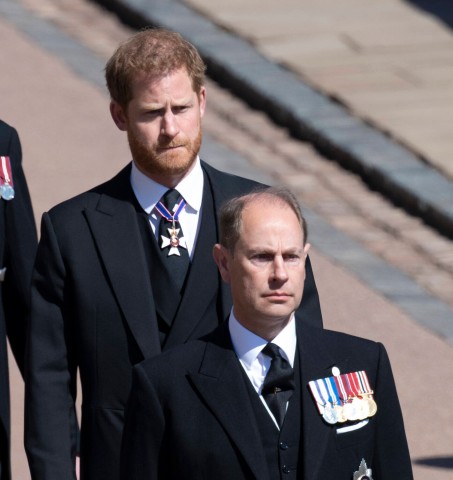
[{"x": 172, "y": 158}]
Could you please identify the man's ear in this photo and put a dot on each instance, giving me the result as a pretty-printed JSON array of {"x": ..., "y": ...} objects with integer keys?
[
  {"x": 202, "y": 100},
  {"x": 119, "y": 115},
  {"x": 221, "y": 257}
]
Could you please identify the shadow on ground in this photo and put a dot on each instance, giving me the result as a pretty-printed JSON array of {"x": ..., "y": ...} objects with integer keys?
[
  {"x": 438, "y": 462},
  {"x": 441, "y": 9}
]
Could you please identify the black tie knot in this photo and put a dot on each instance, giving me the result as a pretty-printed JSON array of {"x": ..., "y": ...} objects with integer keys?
[
  {"x": 170, "y": 199},
  {"x": 272, "y": 350},
  {"x": 280, "y": 376}
]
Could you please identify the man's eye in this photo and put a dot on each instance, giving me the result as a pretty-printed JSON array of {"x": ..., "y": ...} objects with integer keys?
[
  {"x": 155, "y": 113},
  {"x": 180, "y": 109},
  {"x": 262, "y": 257}
]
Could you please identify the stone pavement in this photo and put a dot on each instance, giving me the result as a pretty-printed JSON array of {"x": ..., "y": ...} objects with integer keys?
[
  {"x": 389, "y": 62},
  {"x": 279, "y": 34},
  {"x": 367, "y": 256}
]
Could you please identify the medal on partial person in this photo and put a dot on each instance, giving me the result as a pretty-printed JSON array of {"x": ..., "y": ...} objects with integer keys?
[
  {"x": 330, "y": 415},
  {"x": 362, "y": 408},
  {"x": 6, "y": 179},
  {"x": 341, "y": 415},
  {"x": 344, "y": 398},
  {"x": 173, "y": 241}
]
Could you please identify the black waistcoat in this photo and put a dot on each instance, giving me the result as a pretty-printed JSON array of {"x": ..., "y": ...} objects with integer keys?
[{"x": 281, "y": 447}]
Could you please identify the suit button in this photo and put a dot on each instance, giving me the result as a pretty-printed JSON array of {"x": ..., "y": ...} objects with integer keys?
[
  {"x": 283, "y": 446},
  {"x": 286, "y": 469}
]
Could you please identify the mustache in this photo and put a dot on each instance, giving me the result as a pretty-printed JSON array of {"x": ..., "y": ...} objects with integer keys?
[{"x": 171, "y": 144}]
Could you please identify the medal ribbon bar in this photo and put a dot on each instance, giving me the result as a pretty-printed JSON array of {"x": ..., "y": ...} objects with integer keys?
[
  {"x": 6, "y": 179},
  {"x": 344, "y": 397},
  {"x": 341, "y": 389},
  {"x": 6, "y": 176},
  {"x": 318, "y": 395}
]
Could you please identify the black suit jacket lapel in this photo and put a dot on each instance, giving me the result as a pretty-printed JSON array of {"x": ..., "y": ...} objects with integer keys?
[
  {"x": 116, "y": 233},
  {"x": 220, "y": 382},
  {"x": 316, "y": 361},
  {"x": 221, "y": 192}
]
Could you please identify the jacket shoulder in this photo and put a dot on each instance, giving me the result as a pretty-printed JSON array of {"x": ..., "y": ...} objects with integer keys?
[
  {"x": 228, "y": 182},
  {"x": 5, "y": 129},
  {"x": 90, "y": 198},
  {"x": 341, "y": 344}
]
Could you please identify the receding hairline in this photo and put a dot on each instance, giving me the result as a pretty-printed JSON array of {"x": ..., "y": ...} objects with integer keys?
[
  {"x": 256, "y": 198},
  {"x": 231, "y": 213}
]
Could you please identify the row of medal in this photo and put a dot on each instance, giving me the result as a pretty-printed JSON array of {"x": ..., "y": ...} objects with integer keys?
[
  {"x": 343, "y": 398},
  {"x": 6, "y": 179}
]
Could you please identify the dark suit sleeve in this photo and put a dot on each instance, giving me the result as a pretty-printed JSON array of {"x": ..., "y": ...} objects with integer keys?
[
  {"x": 50, "y": 367},
  {"x": 20, "y": 250},
  {"x": 309, "y": 311},
  {"x": 143, "y": 431},
  {"x": 391, "y": 454}
]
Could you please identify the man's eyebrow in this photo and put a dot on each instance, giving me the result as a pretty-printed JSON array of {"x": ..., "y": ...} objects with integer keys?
[{"x": 266, "y": 249}]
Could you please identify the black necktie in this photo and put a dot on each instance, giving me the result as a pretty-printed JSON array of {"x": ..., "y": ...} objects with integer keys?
[
  {"x": 278, "y": 385},
  {"x": 171, "y": 239}
]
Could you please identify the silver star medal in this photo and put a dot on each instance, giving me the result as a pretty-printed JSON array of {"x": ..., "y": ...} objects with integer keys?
[
  {"x": 173, "y": 241},
  {"x": 363, "y": 472}
]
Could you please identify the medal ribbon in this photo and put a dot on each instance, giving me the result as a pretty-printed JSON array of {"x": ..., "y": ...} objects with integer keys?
[
  {"x": 165, "y": 213},
  {"x": 342, "y": 389},
  {"x": 353, "y": 384},
  {"x": 5, "y": 171},
  {"x": 333, "y": 390},
  {"x": 364, "y": 381},
  {"x": 347, "y": 385},
  {"x": 315, "y": 387},
  {"x": 360, "y": 383}
]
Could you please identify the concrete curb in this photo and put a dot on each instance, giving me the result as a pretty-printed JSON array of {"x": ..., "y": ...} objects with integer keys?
[{"x": 383, "y": 163}]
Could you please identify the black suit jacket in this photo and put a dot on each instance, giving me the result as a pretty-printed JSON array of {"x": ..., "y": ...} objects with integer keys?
[
  {"x": 189, "y": 415},
  {"x": 93, "y": 308},
  {"x": 17, "y": 252}
]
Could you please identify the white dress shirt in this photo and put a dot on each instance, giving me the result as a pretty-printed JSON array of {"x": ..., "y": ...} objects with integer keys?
[
  {"x": 148, "y": 193},
  {"x": 248, "y": 347}
]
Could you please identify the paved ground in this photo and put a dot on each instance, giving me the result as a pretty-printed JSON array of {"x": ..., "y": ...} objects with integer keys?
[
  {"x": 390, "y": 62},
  {"x": 381, "y": 273},
  {"x": 377, "y": 154}
]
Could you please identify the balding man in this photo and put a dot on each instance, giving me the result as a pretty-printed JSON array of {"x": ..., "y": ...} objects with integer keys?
[{"x": 264, "y": 397}]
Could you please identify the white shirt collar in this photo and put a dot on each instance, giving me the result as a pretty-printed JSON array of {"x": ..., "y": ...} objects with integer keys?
[
  {"x": 248, "y": 346},
  {"x": 148, "y": 192}
]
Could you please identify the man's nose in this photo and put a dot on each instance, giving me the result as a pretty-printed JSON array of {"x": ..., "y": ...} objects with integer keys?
[
  {"x": 169, "y": 126},
  {"x": 279, "y": 271}
]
